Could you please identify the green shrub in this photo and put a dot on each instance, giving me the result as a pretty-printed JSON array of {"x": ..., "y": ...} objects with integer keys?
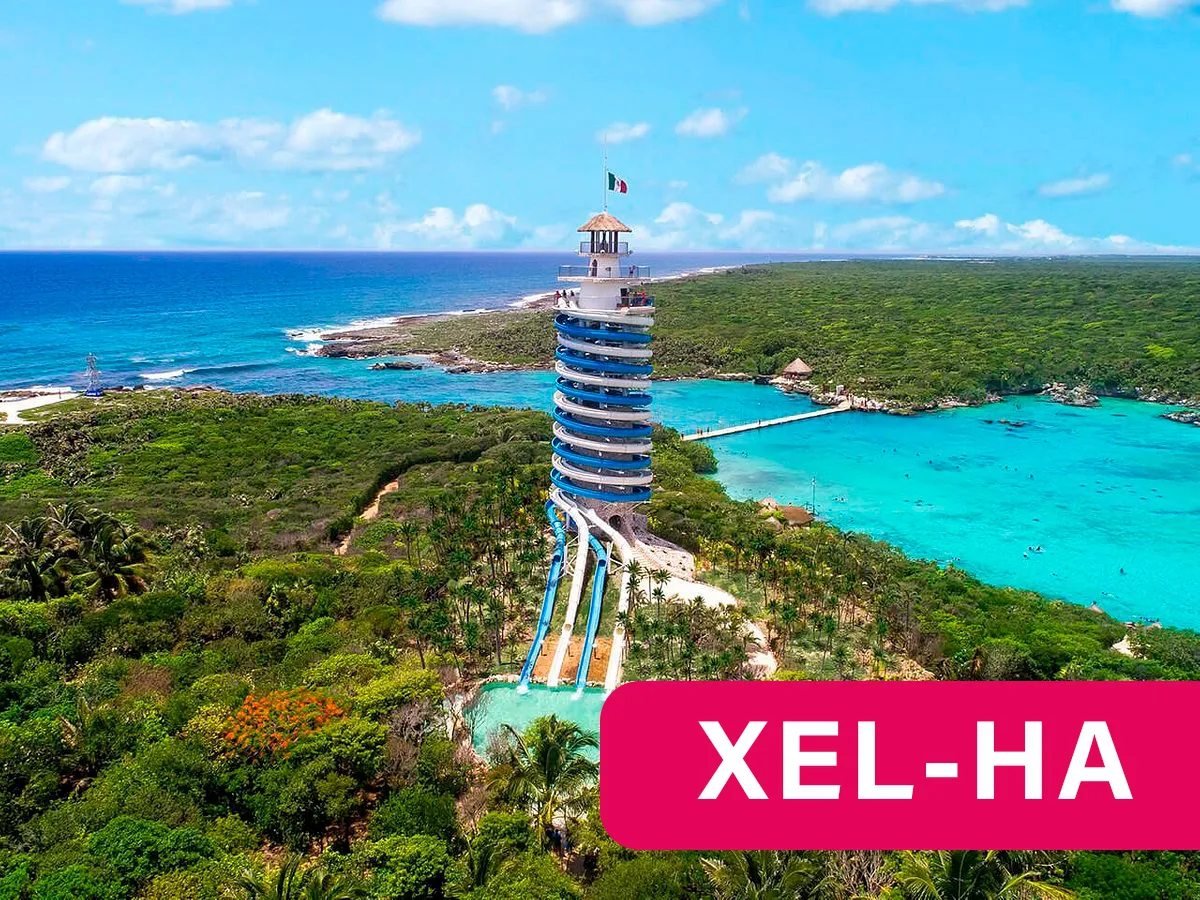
[
  {"x": 343, "y": 668},
  {"x": 416, "y": 867},
  {"x": 415, "y": 810},
  {"x": 77, "y": 882},
  {"x": 138, "y": 850},
  {"x": 389, "y": 692}
]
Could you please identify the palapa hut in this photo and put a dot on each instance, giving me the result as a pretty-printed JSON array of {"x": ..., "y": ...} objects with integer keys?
[
  {"x": 797, "y": 369},
  {"x": 796, "y": 516}
]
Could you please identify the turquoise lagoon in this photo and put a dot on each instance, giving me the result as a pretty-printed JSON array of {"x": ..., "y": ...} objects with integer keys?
[{"x": 1107, "y": 498}]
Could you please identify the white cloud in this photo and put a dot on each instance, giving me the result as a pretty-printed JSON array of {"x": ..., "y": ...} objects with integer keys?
[
  {"x": 660, "y": 12},
  {"x": 989, "y": 232},
  {"x": 180, "y": 7},
  {"x": 1041, "y": 233},
  {"x": 620, "y": 132},
  {"x": 882, "y": 233},
  {"x": 985, "y": 234},
  {"x": 838, "y": 7},
  {"x": 114, "y": 185},
  {"x": 47, "y": 184},
  {"x": 330, "y": 141},
  {"x": 871, "y": 182},
  {"x": 709, "y": 122},
  {"x": 768, "y": 167},
  {"x": 230, "y": 216},
  {"x": 1183, "y": 159},
  {"x": 112, "y": 144},
  {"x": 479, "y": 226},
  {"x": 511, "y": 98},
  {"x": 323, "y": 140},
  {"x": 988, "y": 224},
  {"x": 1152, "y": 9},
  {"x": 1073, "y": 187},
  {"x": 680, "y": 215},
  {"x": 537, "y": 16},
  {"x": 683, "y": 226}
]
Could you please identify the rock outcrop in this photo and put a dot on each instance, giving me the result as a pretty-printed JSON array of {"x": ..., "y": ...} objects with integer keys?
[
  {"x": 1186, "y": 416},
  {"x": 1080, "y": 395},
  {"x": 399, "y": 365}
]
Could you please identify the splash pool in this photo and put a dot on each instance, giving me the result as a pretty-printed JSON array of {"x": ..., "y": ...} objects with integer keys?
[{"x": 501, "y": 703}]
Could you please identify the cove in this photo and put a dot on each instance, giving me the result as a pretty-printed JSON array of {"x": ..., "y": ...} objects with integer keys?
[{"x": 1108, "y": 494}]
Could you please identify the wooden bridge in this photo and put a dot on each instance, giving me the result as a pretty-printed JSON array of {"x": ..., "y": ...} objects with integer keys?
[{"x": 766, "y": 423}]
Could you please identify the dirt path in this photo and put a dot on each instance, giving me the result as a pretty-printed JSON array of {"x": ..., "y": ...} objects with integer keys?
[{"x": 370, "y": 514}]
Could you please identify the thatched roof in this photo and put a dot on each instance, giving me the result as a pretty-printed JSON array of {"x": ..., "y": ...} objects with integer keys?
[
  {"x": 604, "y": 222},
  {"x": 796, "y": 516},
  {"x": 798, "y": 368}
]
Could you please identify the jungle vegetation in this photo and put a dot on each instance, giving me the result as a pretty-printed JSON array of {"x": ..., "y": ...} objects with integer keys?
[
  {"x": 200, "y": 699},
  {"x": 911, "y": 331}
]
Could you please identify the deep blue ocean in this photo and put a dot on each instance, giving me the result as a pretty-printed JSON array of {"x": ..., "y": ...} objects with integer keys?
[
  {"x": 238, "y": 319},
  {"x": 1091, "y": 505}
]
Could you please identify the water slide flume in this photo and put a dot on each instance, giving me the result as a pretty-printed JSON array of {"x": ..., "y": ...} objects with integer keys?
[
  {"x": 577, "y": 518},
  {"x": 593, "y": 623},
  {"x": 543, "y": 625},
  {"x": 616, "y": 656}
]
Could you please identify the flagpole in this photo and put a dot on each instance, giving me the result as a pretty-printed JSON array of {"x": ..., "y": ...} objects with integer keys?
[{"x": 606, "y": 175}]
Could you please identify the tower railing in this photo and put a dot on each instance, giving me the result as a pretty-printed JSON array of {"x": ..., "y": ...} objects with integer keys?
[
  {"x": 623, "y": 273},
  {"x": 621, "y": 248}
]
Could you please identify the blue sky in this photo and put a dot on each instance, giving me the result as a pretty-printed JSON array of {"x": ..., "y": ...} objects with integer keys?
[{"x": 1001, "y": 125}]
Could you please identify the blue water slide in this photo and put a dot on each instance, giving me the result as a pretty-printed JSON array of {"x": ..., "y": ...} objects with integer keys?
[
  {"x": 572, "y": 358},
  {"x": 593, "y": 622},
  {"x": 637, "y": 495},
  {"x": 613, "y": 431},
  {"x": 598, "y": 396},
  {"x": 598, "y": 462},
  {"x": 556, "y": 566},
  {"x": 562, "y": 324}
]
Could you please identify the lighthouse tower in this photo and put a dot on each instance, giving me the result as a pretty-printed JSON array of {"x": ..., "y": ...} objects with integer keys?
[
  {"x": 602, "y": 400},
  {"x": 601, "y": 461}
]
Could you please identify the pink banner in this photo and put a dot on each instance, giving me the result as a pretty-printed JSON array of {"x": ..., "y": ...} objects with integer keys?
[{"x": 901, "y": 765}]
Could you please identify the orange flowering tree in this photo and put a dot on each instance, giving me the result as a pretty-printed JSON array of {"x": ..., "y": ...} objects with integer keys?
[{"x": 270, "y": 724}]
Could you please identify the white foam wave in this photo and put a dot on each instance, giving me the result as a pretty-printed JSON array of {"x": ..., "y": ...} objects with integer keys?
[
  {"x": 309, "y": 333},
  {"x": 310, "y": 349},
  {"x": 165, "y": 376}
]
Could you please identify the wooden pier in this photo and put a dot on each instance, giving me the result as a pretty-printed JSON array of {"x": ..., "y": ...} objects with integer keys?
[{"x": 845, "y": 406}]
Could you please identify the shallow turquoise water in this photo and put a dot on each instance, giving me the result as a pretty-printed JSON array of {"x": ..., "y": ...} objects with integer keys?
[
  {"x": 501, "y": 703},
  {"x": 1110, "y": 495}
]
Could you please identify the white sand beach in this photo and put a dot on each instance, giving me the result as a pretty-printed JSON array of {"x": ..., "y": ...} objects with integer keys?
[{"x": 13, "y": 403}]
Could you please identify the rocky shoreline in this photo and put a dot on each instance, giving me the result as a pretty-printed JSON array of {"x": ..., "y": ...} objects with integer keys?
[{"x": 398, "y": 340}]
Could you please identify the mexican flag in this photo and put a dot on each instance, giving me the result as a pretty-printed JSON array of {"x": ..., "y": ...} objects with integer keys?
[{"x": 616, "y": 184}]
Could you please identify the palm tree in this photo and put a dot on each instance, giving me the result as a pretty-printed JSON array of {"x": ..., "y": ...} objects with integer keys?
[
  {"x": 32, "y": 559},
  {"x": 762, "y": 875},
  {"x": 637, "y": 577},
  {"x": 289, "y": 883},
  {"x": 547, "y": 773},
  {"x": 114, "y": 562},
  {"x": 978, "y": 875}
]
